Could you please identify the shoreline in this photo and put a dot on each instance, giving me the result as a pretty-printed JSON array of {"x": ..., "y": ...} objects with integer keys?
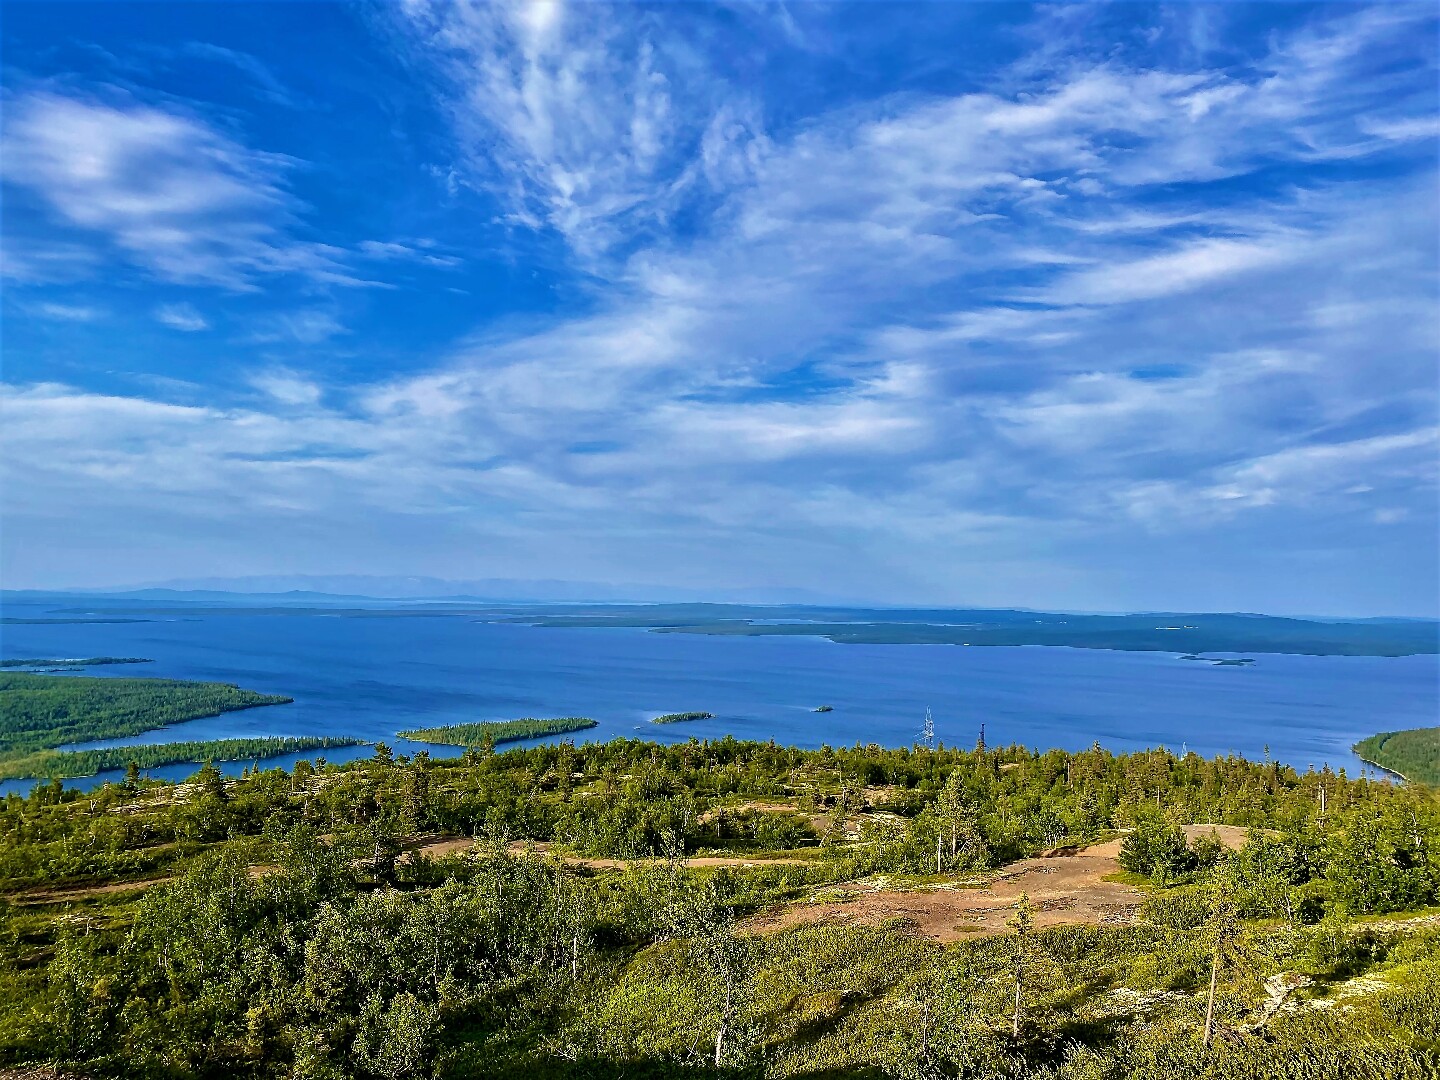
[{"x": 1382, "y": 768}]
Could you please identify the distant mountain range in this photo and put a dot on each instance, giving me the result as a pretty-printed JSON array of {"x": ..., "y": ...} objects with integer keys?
[
  {"x": 285, "y": 588},
  {"x": 729, "y": 613}
]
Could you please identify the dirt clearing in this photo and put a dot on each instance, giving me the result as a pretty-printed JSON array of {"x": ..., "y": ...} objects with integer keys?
[{"x": 1064, "y": 889}]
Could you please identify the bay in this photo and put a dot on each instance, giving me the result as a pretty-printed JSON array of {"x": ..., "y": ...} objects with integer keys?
[{"x": 369, "y": 678}]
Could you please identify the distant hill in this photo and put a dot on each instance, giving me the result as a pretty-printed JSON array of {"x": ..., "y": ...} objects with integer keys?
[
  {"x": 313, "y": 587},
  {"x": 1188, "y": 634}
]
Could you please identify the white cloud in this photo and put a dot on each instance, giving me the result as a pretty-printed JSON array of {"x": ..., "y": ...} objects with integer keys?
[
  {"x": 1189, "y": 266},
  {"x": 306, "y": 327},
  {"x": 182, "y": 317},
  {"x": 1294, "y": 478},
  {"x": 67, "y": 312},
  {"x": 287, "y": 387},
  {"x": 421, "y": 251},
  {"x": 173, "y": 194},
  {"x": 565, "y": 110}
]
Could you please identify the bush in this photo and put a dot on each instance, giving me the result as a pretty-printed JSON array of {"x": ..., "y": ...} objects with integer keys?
[{"x": 1159, "y": 850}]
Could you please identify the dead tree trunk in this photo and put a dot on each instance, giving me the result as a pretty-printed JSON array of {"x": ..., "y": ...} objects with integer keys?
[{"x": 1210, "y": 1000}]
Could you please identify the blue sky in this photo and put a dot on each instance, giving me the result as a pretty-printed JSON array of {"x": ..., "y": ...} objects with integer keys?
[{"x": 1100, "y": 307}]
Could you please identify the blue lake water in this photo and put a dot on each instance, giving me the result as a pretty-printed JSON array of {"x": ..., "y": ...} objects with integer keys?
[{"x": 372, "y": 677}]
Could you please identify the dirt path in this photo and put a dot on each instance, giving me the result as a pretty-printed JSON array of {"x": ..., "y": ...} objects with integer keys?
[
  {"x": 698, "y": 861},
  {"x": 79, "y": 892},
  {"x": 1057, "y": 885},
  {"x": 1065, "y": 889},
  {"x": 436, "y": 846}
]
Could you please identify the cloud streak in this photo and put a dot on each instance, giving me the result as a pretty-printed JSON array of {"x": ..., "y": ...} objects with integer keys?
[{"x": 173, "y": 194}]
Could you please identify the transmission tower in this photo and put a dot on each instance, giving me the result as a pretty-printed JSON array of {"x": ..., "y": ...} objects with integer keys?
[{"x": 927, "y": 733}]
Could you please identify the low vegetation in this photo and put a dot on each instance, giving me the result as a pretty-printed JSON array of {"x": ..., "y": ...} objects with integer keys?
[
  {"x": 289, "y": 924},
  {"x": 490, "y": 732},
  {"x": 1413, "y": 754}
]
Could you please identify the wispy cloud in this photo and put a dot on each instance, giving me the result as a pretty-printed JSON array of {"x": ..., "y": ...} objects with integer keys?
[
  {"x": 420, "y": 251},
  {"x": 81, "y": 313},
  {"x": 287, "y": 387},
  {"x": 306, "y": 327},
  {"x": 172, "y": 193},
  {"x": 582, "y": 118},
  {"x": 182, "y": 317},
  {"x": 266, "y": 82}
]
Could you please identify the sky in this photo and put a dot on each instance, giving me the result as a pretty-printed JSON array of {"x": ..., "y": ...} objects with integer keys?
[{"x": 1065, "y": 306}]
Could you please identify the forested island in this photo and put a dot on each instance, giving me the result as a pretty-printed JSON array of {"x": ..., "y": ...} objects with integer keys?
[
  {"x": 1179, "y": 632},
  {"x": 41, "y": 712},
  {"x": 1413, "y": 754},
  {"x": 89, "y": 661},
  {"x": 727, "y": 909},
  {"x": 681, "y": 717},
  {"x": 72, "y": 763},
  {"x": 490, "y": 732}
]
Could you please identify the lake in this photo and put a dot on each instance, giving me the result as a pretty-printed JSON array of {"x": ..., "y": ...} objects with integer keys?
[{"x": 371, "y": 677}]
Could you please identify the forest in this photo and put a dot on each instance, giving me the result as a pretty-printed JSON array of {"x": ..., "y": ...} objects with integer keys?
[
  {"x": 73, "y": 763},
  {"x": 1413, "y": 754},
  {"x": 489, "y": 732},
  {"x": 41, "y": 712},
  {"x": 681, "y": 717},
  {"x": 1192, "y": 632},
  {"x": 727, "y": 909}
]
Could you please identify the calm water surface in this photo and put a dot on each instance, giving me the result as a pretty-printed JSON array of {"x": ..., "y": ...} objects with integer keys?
[{"x": 372, "y": 677}]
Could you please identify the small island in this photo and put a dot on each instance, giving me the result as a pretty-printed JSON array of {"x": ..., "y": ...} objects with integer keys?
[
  {"x": 823, "y": 708},
  {"x": 489, "y": 732},
  {"x": 68, "y": 665},
  {"x": 1413, "y": 755},
  {"x": 682, "y": 717},
  {"x": 1219, "y": 661},
  {"x": 68, "y": 764}
]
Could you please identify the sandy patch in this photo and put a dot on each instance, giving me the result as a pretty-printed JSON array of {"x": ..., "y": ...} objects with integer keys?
[{"x": 1066, "y": 888}]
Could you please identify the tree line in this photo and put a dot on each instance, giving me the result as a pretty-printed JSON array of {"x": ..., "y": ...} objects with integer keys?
[
  {"x": 73, "y": 763},
  {"x": 1413, "y": 754},
  {"x": 485, "y": 734}
]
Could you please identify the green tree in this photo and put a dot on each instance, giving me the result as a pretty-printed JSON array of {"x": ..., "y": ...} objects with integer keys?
[{"x": 394, "y": 1039}]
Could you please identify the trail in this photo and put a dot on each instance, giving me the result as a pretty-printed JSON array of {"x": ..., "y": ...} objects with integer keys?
[
  {"x": 431, "y": 846},
  {"x": 699, "y": 861}
]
